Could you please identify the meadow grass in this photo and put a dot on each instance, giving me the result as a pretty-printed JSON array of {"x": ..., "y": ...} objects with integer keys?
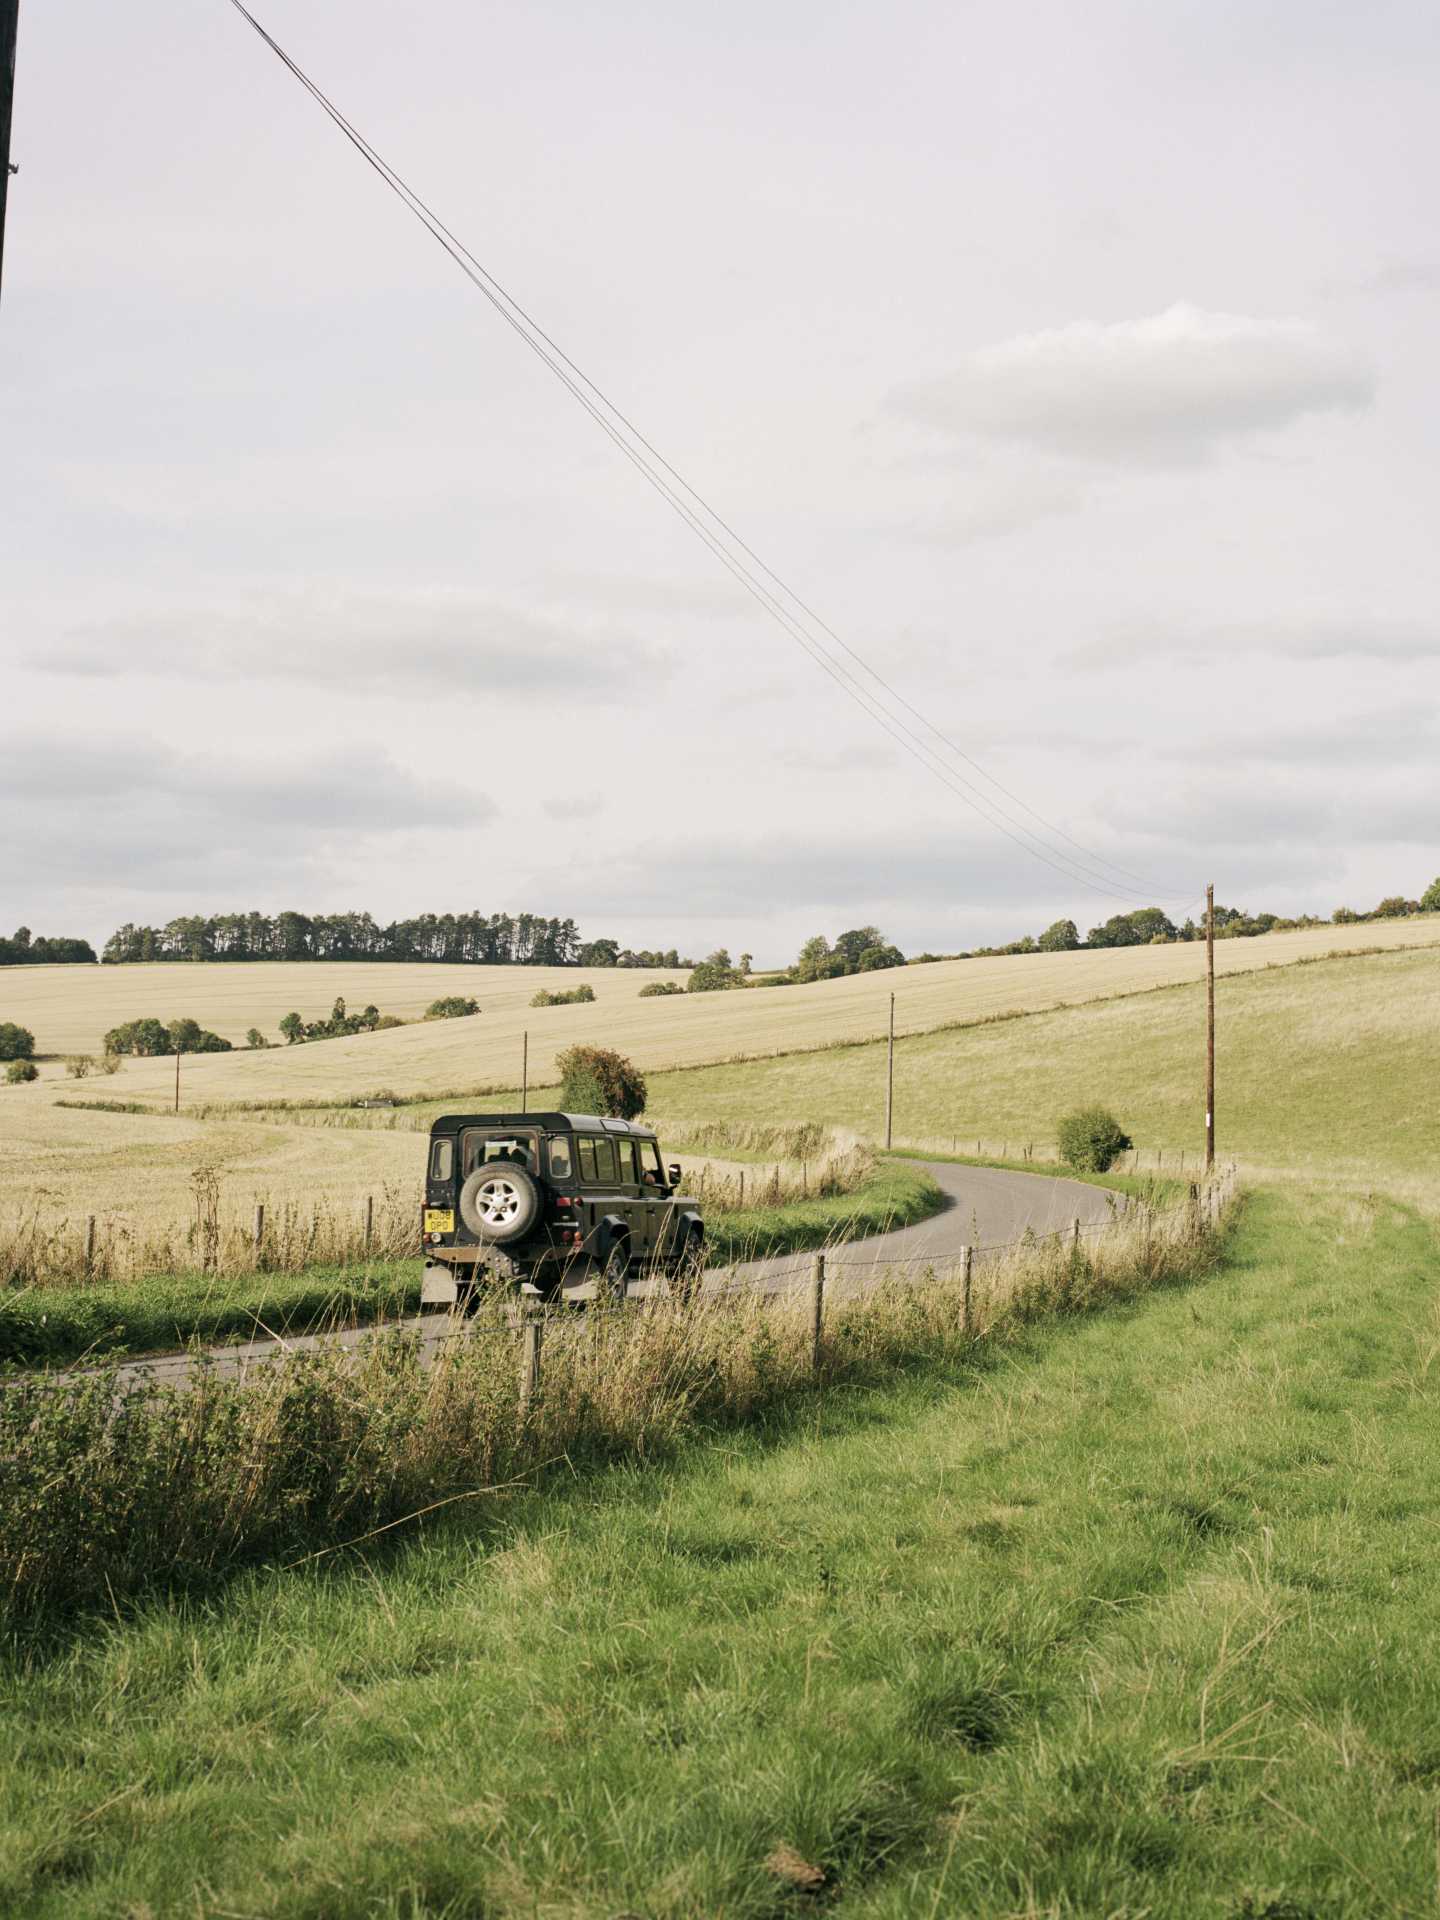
[
  {"x": 1327, "y": 1070},
  {"x": 1122, "y": 1615}
]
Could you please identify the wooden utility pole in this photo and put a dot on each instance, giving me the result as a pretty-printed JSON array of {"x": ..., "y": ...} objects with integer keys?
[
  {"x": 1210, "y": 1028},
  {"x": 9, "y": 25},
  {"x": 890, "y": 1079},
  {"x": 525, "y": 1072},
  {"x": 177, "y": 1080}
]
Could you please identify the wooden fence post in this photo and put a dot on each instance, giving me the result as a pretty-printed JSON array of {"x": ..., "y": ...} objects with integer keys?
[
  {"x": 1075, "y": 1239},
  {"x": 90, "y": 1243},
  {"x": 817, "y": 1309},
  {"x": 1194, "y": 1209},
  {"x": 259, "y": 1229},
  {"x": 534, "y": 1327},
  {"x": 369, "y": 1220},
  {"x": 742, "y": 1186},
  {"x": 967, "y": 1268}
]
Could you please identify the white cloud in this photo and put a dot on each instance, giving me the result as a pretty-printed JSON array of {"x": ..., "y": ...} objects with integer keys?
[
  {"x": 1162, "y": 391},
  {"x": 458, "y": 645},
  {"x": 1326, "y": 637}
]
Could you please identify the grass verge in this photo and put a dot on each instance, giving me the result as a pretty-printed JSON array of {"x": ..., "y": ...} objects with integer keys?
[
  {"x": 1132, "y": 1622},
  {"x": 56, "y": 1326},
  {"x": 893, "y": 1196}
]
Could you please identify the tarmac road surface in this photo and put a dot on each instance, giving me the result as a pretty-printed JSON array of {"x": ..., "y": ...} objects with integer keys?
[{"x": 984, "y": 1207}]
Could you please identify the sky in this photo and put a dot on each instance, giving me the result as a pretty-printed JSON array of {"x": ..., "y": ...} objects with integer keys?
[{"x": 1076, "y": 365}]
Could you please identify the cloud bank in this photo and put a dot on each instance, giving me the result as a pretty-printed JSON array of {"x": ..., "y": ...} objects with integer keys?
[{"x": 1168, "y": 390}]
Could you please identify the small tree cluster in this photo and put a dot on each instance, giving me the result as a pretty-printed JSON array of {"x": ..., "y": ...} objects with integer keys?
[
  {"x": 20, "y": 1071},
  {"x": 716, "y": 973},
  {"x": 576, "y": 997},
  {"x": 658, "y": 987},
  {"x": 861, "y": 950},
  {"x": 23, "y": 949},
  {"x": 368, "y": 1020},
  {"x": 150, "y": 1038},
  {"x": 454, "y": 1006},
  {"x": 599, "y": 1080},
  {"x": 16, "y": 1043},
  {"x": 1091, "y": 1139}
]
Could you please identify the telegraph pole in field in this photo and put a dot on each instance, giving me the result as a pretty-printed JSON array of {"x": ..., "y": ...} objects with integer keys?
[
  {"x": 1210, "y": 1027},
  {"x": 890, "y": 1079},
  {"x": 9, "y": 25}
]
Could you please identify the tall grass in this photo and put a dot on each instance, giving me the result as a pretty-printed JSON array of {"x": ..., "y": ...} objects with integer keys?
[{"x": 108, "y": 1487}]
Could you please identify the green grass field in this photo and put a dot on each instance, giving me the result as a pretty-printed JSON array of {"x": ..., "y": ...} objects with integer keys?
[{"x": 1127, "y": 1617}]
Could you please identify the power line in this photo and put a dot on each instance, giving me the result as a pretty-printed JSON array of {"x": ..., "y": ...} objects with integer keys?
[{"x": 1088, "y": 870}]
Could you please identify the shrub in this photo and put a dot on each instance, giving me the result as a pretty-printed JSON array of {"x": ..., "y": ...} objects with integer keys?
[
  {"x": 577, "y": 996},
  {"x": 20, "y": 1071},
  {"x": 16, "y": 1043},
  {"x": 143, "y": 1037},
  {"x": 256, "y": 1040},
  {"x": 109, "y": 1063},
  {"x": 1395, "y": 906},
  {"x": 1091, "y": 1139},
  {"x": 599, "y": 1080},
  {"x": 657, "y": 987},
  {"x": 455, "y": 1006},
  {"x": 1430, "y": 898},
  {"x": 78, "y": 1065},
  {"x": 1345, "y": 917}
]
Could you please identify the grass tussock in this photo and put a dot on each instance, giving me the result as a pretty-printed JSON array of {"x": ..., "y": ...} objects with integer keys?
[{"x": 108, "y": 1487}]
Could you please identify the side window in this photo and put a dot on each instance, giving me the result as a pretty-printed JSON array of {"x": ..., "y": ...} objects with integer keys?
[
  {"x": 442, "y": 1161},
  {"x": 650, "y": 1169},
  {"x": 586, "y": 1148},
  {"x": 562, "y": 1167},
  {"x": 605, "y": 1160},
  {"x": 625, "y": 1154}
]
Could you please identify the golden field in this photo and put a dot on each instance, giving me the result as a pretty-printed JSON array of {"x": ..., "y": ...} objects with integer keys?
[
  {"x": 484, "y": 1052},
  {"x": 70, "y": 1009}
]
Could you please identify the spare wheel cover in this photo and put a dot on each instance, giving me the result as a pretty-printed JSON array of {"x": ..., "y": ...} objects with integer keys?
[{"x": 499, "y": 1203}]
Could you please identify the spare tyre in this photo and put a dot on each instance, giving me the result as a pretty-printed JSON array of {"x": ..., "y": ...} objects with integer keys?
[{"x": 500, "y": 1203}]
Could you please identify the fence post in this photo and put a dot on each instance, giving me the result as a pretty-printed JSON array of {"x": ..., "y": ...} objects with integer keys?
[
  {"x": 742, "y": 1186},
  {"x": 259, "y": 1230},
  {"x": 817, "y": 1308},
  {"x": 967, "y": 1268},
  {"x": 89, "y": 1243},
  {"x": 534, "y": 1327},
  {"x": 369, "y": 1220},
  {"x": 1194, "y": 1209},
  {"x": 1075, "y": 1238}
]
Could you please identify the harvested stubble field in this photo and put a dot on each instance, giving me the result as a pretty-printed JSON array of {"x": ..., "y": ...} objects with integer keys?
[{"x": 485, "y": 1051}]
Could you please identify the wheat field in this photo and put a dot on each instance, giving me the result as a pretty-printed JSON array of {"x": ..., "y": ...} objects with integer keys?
[{"x": 485, "y": 1051}]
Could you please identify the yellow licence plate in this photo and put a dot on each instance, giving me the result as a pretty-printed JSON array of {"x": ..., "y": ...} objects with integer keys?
[{"x": 439, "y": 1220}]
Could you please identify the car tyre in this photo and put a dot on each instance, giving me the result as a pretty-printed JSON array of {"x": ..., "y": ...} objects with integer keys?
[
  {"x": 610, "y": 1282},
  {"x": 689, "y": 1268}
]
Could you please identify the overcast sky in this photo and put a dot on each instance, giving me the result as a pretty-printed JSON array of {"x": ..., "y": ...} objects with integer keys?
[{"x": 1077, "y": 364}]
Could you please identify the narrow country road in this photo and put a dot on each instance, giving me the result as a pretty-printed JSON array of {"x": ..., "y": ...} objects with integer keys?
[{"x": 984, "y": 1207}]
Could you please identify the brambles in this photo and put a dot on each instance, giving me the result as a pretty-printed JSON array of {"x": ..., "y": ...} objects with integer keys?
[
  {"x": 599, "y": 1080},
  {"x": 1091, "y": 1139}
]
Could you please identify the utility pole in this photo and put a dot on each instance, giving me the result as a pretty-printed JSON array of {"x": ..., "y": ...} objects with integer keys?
[
  {"x": 1210, "y": 1027},
  {"x": 890, "y": 1080},
  {"x": 177, "y": 1080},
  {"x": 9, "y": 25},
  {"x": 525, "y": 1073}
]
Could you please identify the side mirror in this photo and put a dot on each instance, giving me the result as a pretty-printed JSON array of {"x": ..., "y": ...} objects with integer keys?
[{"x": 674, "y": 1172}]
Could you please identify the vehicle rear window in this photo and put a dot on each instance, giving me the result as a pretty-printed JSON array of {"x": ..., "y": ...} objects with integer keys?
[
  {"x": 604, "y": 1159},
  {"x": 586, "y": 1150},
  {"x": 562, "y": 1166},
  {"x": 497, "y": 1148},
  {"x": 442, "y": 1161}
]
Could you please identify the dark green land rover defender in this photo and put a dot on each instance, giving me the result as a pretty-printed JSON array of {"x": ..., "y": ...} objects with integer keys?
[{"x": 556, "y": 1203}]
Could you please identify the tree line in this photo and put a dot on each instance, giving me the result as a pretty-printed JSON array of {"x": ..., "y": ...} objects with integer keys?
[
  {"x": 24, "y": 949},
  {"x": 473, "y": 939}
]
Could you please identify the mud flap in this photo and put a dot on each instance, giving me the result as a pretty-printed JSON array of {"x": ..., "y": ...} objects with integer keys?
[{"x": 438, "y": 1287}]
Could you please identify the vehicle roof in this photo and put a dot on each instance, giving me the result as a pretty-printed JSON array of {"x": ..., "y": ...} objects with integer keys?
[{"x": 550, "y": 1122}]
